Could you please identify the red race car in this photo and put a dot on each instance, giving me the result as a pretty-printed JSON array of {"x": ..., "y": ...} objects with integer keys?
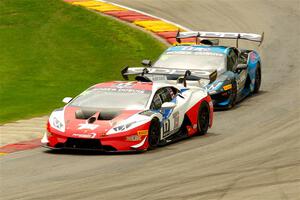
[{"x": 129, "y": 116}]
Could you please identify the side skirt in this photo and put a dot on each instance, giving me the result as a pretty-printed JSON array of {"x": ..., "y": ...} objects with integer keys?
[{"x": 180, "y": 135}]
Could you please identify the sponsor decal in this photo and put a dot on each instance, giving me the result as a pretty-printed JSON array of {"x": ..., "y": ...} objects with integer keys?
[
  {"x": 167, "y": 71},
  {"x": 249, "y": 36},
  {"x": 176, "y": 119},
  {"x": 124, "y": 85},
  {"x": 81, "y": 135},
  {"x": 194, "y": 52},
  {"x": 124, "y": 90},
  {"x": 191, "y": 48},
  {"x": 88, "y": 126},
  {"x": 157, "y": 77},
  {"x": 227, "y": 87},
  {"x": 142, "y": 132}
]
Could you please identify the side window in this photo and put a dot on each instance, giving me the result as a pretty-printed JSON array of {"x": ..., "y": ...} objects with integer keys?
[
  {"x": 229, "y": 63},
  {"x": 166, "y": 95},
  {"x": 162, "y": 95},
  {"x": 231, "y": 60},
  {"x": 156, "y": 102}
]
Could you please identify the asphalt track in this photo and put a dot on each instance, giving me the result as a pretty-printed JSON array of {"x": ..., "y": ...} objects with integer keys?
[{"x": 252, "y": 152}]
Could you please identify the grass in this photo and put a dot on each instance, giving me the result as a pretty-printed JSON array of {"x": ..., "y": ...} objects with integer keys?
[{"x": 50, "y": 49}]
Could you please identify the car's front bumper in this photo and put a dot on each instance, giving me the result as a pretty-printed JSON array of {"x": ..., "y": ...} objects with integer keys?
[
  {"x": 221, "y": 99},
  {"x": 132, "y": 140}
]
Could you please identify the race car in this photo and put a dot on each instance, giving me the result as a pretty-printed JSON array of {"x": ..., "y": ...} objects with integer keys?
[
  {"x": 129, "y": 116},
  {"x": 239, "y": 70}
]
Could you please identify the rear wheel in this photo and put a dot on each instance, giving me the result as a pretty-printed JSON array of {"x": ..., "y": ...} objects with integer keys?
[
  {"x": 257, "y": 79},
  {"x": 203, "y": 119},
  {"x": 154, "y": 133}
]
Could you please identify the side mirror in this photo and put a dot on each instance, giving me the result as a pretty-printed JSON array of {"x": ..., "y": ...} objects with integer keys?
[
  {"x": 168, "y": 105},
  {"x": 241, "y": 66},
  {"x": 67, "y": 100},
  {"x": 147, "y": 63}
]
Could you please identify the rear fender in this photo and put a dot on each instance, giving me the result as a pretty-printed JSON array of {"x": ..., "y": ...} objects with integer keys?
[
  {"x": 192, "y": 112},
  {"x": 253, "y": 60}
]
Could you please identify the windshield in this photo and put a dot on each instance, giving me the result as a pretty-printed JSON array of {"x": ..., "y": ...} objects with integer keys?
[
  {"x": 113, "y": 98},
  {"x": 191, "y": 60}
]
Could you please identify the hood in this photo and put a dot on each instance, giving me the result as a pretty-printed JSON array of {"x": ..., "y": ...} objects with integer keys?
[{"x": 93, "y": 123}]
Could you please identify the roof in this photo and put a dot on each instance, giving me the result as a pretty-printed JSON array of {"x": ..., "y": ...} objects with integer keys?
[
  {"x": 136, "y": 85},
  {"x": 126, "y": 84},
  {"x": 213, "y": 49}
]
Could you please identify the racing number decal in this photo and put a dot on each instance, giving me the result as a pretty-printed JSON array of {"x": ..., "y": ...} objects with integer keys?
[{"x": 166, "y": 126}]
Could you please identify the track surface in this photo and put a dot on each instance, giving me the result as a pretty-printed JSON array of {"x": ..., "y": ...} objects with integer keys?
[{"x": 252, "y": 152}]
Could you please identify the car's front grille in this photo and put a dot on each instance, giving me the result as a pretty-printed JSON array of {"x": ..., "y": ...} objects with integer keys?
[
  {"x": 218, "y": 98},
  {"x": 83, "y": 143}
]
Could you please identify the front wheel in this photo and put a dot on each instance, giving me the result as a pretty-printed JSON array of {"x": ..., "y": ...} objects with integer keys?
[
  {"x": 154, "y": 133},
  {"x": 203, "y": 119}
]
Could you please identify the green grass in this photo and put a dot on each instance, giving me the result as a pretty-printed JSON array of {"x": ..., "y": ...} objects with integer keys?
[{"x": 50, "y": 49}]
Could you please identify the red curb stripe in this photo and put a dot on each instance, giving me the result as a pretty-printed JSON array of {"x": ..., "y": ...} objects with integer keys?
[
  {"x": 20, "y": 146},
  {"x": 137, "y": 18},
  {"x": 184, "y": 40},
  {"x": 168, "y": 34},
  {"x": 123, "y": 13},
  {"x": 131, "y": 16}
]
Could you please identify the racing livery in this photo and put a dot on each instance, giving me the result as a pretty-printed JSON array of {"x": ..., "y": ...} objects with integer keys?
[
  {"x": 239, "y": 70},
  {"x": 129, "y": 116}
]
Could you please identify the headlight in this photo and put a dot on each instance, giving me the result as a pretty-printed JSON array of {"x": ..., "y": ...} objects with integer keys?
[
  {"x": 215, "y": 86},
  {"x": 120, "y": 128},
  {"x": 219, "y": 87},
  {"x": 123, "y": 127},
  {"x": 57, "y": 124},
  {"x": 126, "y": 126},
  {"x": 56, "y": 121}
]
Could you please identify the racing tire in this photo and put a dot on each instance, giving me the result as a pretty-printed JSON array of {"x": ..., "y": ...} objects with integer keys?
[
  {"x": 203, "y": 119},
  {"x": 232, "y": 97},
  {"x": 257, "y": 82},
  {"x": 153, "y": 134}
]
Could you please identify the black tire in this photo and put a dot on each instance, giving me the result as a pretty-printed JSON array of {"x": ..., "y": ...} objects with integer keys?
[
  {"x": 232, "y": 96},
  {"x": 257, "y": 79},
  {"x": 153, "y": 134},
  {"x": 203, "y": 119}
]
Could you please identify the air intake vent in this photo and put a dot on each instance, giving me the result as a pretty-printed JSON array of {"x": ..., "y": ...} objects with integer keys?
[
  {"x": 83, "y": 143},
  {"x": 92, "y": 120},
  {"x": 84, "y": 114},
  {"x": 104, "y": 115}
]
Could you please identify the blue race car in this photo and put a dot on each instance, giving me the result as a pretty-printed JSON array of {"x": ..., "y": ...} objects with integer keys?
[{"x": 238, "y": 70}]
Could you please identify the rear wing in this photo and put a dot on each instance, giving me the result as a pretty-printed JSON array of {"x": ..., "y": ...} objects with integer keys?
[
  {"x": 211, "y": 76},
  {"x": 222, "y": 35}
]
